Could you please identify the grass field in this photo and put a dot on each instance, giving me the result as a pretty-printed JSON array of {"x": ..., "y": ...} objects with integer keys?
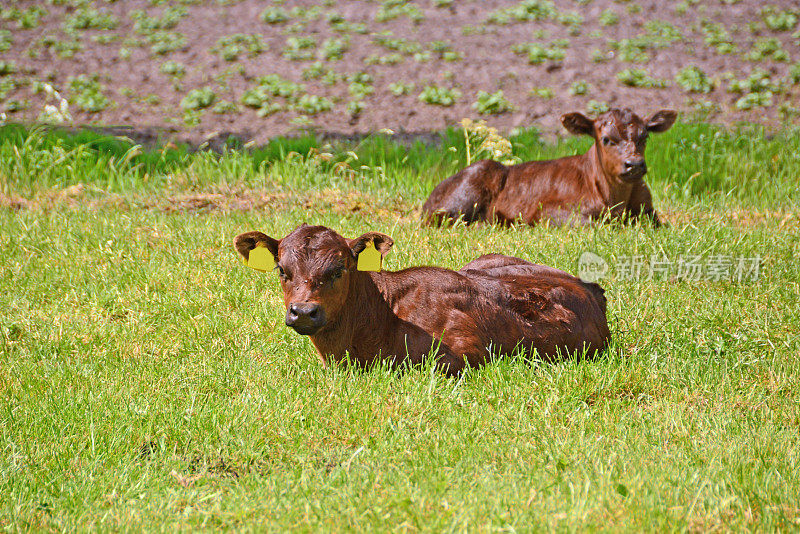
[{"x": 147, "y": 380}]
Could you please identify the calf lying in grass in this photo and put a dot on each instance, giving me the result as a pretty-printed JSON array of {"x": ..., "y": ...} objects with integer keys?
[
  {"x": 493, "y": 305},
  {"x": 607, "y": 181}
]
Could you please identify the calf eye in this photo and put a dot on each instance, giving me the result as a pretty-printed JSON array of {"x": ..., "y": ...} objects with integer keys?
[
  {"x": 281, "y": 272},
  {"x": 606, "y": 141}
]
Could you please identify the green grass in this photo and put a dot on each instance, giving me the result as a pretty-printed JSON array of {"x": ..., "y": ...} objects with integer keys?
[{"x": 147, "y": 380}]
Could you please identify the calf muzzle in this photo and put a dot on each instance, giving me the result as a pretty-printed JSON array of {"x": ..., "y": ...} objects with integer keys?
[
  {"x": 633, "y": 169},
  {"x": 305, "y": 318}
]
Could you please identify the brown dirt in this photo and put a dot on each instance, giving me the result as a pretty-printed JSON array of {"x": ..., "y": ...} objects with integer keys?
[{"x": 489, "y": 64}]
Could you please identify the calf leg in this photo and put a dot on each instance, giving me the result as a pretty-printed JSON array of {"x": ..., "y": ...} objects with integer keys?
[{"x": 641, "y": 205}]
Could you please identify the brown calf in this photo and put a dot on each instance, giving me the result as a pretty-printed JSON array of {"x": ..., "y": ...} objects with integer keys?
[
  {"x": 606, "y": 181},
  {"x": 491, "y": 306}
]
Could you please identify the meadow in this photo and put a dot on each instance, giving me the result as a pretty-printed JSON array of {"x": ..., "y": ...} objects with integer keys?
[{"x": 147, "y": 381}]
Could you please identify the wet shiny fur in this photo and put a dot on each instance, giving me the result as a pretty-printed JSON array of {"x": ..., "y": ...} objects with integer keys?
[{"x": 605, "y": 182}]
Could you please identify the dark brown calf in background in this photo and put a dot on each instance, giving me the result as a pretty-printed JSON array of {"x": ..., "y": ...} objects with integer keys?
[
  {"x": 491, "y": 306},
  {"x": 606, "y": 181}
]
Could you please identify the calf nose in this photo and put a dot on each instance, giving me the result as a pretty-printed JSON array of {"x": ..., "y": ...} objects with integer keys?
[
  {"x": 300, "y": 311},
  {"x": 634, "y": 164},
  {"x": 305, "y": 317}
]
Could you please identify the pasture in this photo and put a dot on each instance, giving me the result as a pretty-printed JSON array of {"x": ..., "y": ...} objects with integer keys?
[{"x": 147, "y": 380}]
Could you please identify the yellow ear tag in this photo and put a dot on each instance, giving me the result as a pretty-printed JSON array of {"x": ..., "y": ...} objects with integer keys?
[
  {"x": 261, "y": 259},
  {"x": 369, "y": 259}
]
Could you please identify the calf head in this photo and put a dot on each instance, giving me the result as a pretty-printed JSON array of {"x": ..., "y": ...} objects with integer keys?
[
  {"x": 317, "y": 269},
  {"x": 620, "y": 137}
]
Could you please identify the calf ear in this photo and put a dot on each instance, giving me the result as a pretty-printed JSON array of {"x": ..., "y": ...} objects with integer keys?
[
  {"x": 578, "y": 123},
  {"x": 261, "y": 261},
  {"x": 370, "y": 242},
  {"x": 661, "y": 121}
]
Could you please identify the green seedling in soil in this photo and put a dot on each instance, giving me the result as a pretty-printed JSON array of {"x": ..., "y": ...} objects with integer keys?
[
  {"x": 87, "y": 93},
  {"x": 334, "y": 49},
  {"x": 87, "y": 18},
  {"x": 339, "y": 24},
  {"x": 164, "y": 42},
  {"x": 6, "y": 86},
  {"x": 539, "y": 53},
  {"x": 527, "y": 10},
  {"x": 717, "y": 37},
  {"x": 361, "y": 77},
  {"x": 269, "y": 86},
  {"x": 694, "y": 80},
  {"x": 596, "y": 107},
  {"x": 307, "y": 14},
  {"x": 661, "y": 34},
  {"x": 63, "y": 48},
  {"x": 439, "y": 96},
  {"x": 633, "y": 9},
  {"x": 779, "y": 20},
  {"x": 794, "y": 74},
  {"x": 401, "y": 88},
  {"x": 388, "y": 59},
  {"x": 198, "y": 99},
  {"x": 400, "y": 45},
  {"x": 315, "y": 71},
  {"x": 145, "y": 24},
  {"x": 392, "y": 9},
  {"x": 300, "y": 48},
  {"x": 543, "y": 92},
  {"x": 7, "y": 67},
  {"x": 685, "y": 5},
  {"x": 640, "y": 78},
  {"x": 658, "y": 35},
  {"x": 224, "y": 107},
  {"x": 765, "y": 49},
  {"x": 630, "y": 50},
  {"x": 579, "y": 87},
  {"x": 598, "y": 56},
  {"x": 355, "y": 107},
  {"x": 759, "y": 81},
  {"x": 350, "y": 27},
  {"x": 275, "y": 15},
  {"x": 25, "y": 18},
  {"x": 492, "y": 103},
  {"x": 359, "y": 90},
  {"x": 173, "y": 68},
  {"x": 312, "y": 104},
  {"x": 753, "y": 100},
  {"x": 573, "y": 20},
  {"x": 231, "y": 46},
  {"x": 608, "y": 18},
  {"x": 5, "y": 40},
  {"x": 105, "y": 38}
]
